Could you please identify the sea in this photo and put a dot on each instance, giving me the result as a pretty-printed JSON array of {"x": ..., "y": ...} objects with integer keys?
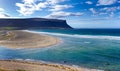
[{"x": 89, "y": 48}]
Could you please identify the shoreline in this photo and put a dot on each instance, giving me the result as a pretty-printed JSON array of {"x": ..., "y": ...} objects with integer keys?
[
  {"x": 29, "y": 65},
  {"x": 38, "y": 66},
  {"x": 24, "y": 39}
]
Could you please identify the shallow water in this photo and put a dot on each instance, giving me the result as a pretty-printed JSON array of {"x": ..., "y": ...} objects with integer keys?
[{"x": 86, "y": 50}]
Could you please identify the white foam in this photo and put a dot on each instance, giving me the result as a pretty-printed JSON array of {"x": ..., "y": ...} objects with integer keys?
[
  {"x": 81, "y": 36},
  {"x": 86, "y": 42}
]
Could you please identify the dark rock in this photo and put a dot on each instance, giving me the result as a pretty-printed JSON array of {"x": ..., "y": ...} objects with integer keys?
[{"x": 64, "y": 61}]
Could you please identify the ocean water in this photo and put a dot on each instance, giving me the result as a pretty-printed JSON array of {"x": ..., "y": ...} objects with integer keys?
[{"x": 90, "y": 48}]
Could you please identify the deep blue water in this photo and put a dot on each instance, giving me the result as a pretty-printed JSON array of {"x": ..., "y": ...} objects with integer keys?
[
  {"x": 91, "y": 48},
  {"x": 112, "y": 32}
]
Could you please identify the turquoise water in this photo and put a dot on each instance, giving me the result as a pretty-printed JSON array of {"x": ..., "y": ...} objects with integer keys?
[{"x": 100, "y": 51}]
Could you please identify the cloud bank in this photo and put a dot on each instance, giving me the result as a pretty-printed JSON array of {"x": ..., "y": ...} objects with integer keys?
[{"x": 62, "y": 14}]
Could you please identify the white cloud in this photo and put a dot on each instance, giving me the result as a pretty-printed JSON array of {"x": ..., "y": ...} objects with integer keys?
[
  {"x": 29, "y": 1},
  {"x": 2, "y": 10},
  {"x": 93, "y": 10},
  {"x": 60, "y": 7},
  {"x": 28, "y": 7},
  {"x": 111, "y": 14},
  {"x": 88, "y": 2},
  {"x": 62, "y": 14},
  {"x": 106, "y": 2},
  {"x": 3, "y": 14},
  {"x": 103, "y": 13},
  {"x": 55, "y": 1},
  {"x": 41, "y": 5},
  {"x": 110, "y": 9}
]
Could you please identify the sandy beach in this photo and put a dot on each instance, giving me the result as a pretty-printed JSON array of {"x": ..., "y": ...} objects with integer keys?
[
  {"x": 15, "y": 65},
  {"x": 22, "y": 39}
]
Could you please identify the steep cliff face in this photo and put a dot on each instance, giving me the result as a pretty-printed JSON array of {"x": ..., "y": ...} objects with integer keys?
[{"x": 34, "y": 23}]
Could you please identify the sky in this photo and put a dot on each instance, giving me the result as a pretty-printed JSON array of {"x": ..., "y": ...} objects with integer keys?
[{"x": 78, "y": 13}]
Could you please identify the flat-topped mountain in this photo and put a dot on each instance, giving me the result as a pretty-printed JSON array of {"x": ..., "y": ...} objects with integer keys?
[{"x": 28, "y": 23}]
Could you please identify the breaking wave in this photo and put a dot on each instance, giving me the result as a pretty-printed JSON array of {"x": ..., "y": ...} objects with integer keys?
[{"x": 80, "y": 36}]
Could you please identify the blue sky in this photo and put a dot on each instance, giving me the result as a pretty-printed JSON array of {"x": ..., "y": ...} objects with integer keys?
[{"x": 78, "y": 13}]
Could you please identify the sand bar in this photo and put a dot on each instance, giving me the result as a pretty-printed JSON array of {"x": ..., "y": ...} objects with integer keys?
[
  {"x": 13, "y": 65},
  {"x": 22, "y": 39}
]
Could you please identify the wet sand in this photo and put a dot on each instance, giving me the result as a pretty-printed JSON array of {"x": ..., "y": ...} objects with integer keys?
[{"x": 22, "y": 39}]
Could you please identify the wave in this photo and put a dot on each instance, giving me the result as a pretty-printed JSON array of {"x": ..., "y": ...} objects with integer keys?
[
  {"x": 79, "y": 36},
  {"x": 46, "y": 62}
]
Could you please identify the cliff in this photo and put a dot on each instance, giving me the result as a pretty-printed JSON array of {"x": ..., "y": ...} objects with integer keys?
[{"x": 28, "y": 23}]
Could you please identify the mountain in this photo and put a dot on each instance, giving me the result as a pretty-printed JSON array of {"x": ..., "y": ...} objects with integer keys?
[{"x": 28, "y": 23}]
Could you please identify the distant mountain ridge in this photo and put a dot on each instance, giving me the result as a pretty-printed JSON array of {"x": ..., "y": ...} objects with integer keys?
[{"x": 27, "y": 23}]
